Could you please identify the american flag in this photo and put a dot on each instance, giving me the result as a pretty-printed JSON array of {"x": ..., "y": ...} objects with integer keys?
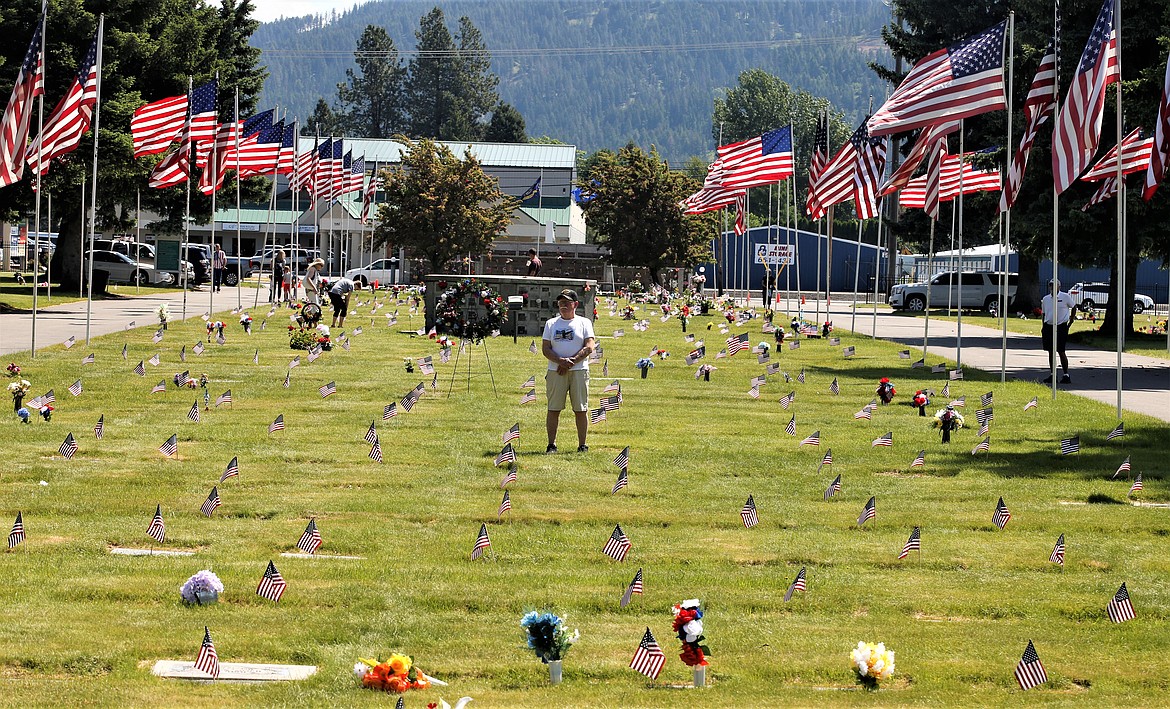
[
  {"x": 224, "y": 398},
  {"x": 1161, "y": 155},
  {"x": 157, "y": 529},
  {"x": 14, "y": 127},
  {"x": 16, "y": 536},
  {"x": 310, "y": 539},
  {"x": 174, "y": 168},
  {"x": 833, "y": 488},
  {"x": 618, "y": 544},
  {"x": 748, "y": 513},
  {"x": 827, "y": 460},
  {"x": 735, "y": 343},
  {"x": 193, "y": 412},
  {"x": 159, "y": 388},
  {"x": 918, "y": 364},
  {"x": 986, "y": 400},
  {"x": 211, "y": 502},
  {"x": 88, "y": 359},
  {"x": 328, "y": 389},
  {"x": 622, "y": 460},
  {"x": 125, "y": 347},
  {"x": 740, "y": 227},
  {"x": 1001, "y": 516},
  {"x": 836, "y": 342},
  {"x": 277, "y": 424},
  {"x": 510, "y": 476},
  {"x": 203, "y": 112},
  {"x": 1078, "y": 126},
  {"x": 1120, "y": 609},
  {"x": 1117, "y": 432},
  {"x": 834, "y": 387},
  {"x": 1106, "y": 191},
  {"x": 170, "y": 447},
  {"x": 634, "y": 587},
  {"x": 800, "y": 377},
  {"x": 955, "y": 374},
  {"x": 1137, "y": 485},
  {"x": 1030, "y": 672},
  {"x": 813, "y": 440},
  {"x": 198, "y": 348},
  {"x": 533, "y": 350},
  {"x": 648, "y": 658},
  {"x": 156, "y": 338},
  {"x": 68, "y": 447},
  {"x": 762, "y": 160},
  {"x": 868, "y": 512},
  {"x": 48, "y": 398},
  {"x": 984, "y": 416},
  {"x": 623, "y": 479},
  {"x": 1124, "y": 467},
  {"x": 369, "y": 194},
  {"x": 256, "y": 356},
  {"x": 817, "y": 163},
  {"x": 182, "y": 378},
  {"x": 371, "y": 433},
  {"x": 288, "y": 379},
  {"x": 928, "y": 141},
  {"x": 605, "y": 368},
  {"x": 296, "y": 362},
  {"x": 1070, "y": 445},
  {"x": 1057, "y": 555},
  {"x": 505, "y": 505},
  {"x": 1038, "y": 107},
  {"x": 155, "y": 126},
  {"x": 834, "y": 184},
  {"x": 919, "y": 460},
  {"x": 389, "y": 411},
  {"x": 886, "y": 439},
  {"x": 155, "y": 359},
  {"x": 790, "y": 428},
  {"x": 984, "y": 446},
  {"x": 507, "y": 455},
  {"x": 426, "y": 365},
  {"x": 75, "y": 388},
  {"x": 481, "y": 542},
  {"x": 314, "y": 352},
  {"x": 938, "y": 368},
  {"x": 867, "y": 174},
  {"x": 797, "y": 584},
  {"x": 786, "y": 401},
  {"x": 596, "y": 416},
  {"x": 207, "y": 661},
  {"x": 513, "y": 433},
  {"x": 532, "y": 383},
  {"x": 376, "y": 451},
  {"x": 232, "y": 470},
  {"x": 70, "y": 120},
  {"x": 611, "y": 403},
  {"x": 612, "y": 387},
  {"x": 865, "y": 413},
  {"x": 408, "y": 401},
  {"x": 914, "y": 543},
  {"x": 99, "y": 428},
  {"x": 528, "y": 397},
  {"x": 960, "y": 81},
  {"x": 946, "y": 390},
  {"x": 272, "y": 585}
]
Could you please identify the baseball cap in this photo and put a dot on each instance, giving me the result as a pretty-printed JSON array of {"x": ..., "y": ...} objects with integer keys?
[{"x": 568, "y": 294}]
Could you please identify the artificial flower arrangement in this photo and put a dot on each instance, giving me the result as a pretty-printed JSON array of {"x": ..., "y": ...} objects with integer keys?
[
  {"x": 948, "y": 414},
  {"x": 662, "y": 354},
  {"x": 17, "y": 390},
  {"x": 398, "y": 673},
  {"x": 920, "y": 401},
  {"x": 13, "y": 369},
  {"x": 445, "y": 343},
  {"x": 304, "y": 339},
  {"x": 164, "y": 314},
  {"x": 46, "y": 412},
  {"x": 704, "y": 371},
  {"x": 246, "y": 322},
  {"x": 216, "y": 325},
  {"x": 451, "y": 312},
  {"x": 548, "y": 636},
  {"x": 688, "y": 623},
  {"x": 202, "y": 588},
  {"x": 644, "y": 364},
  {"x": 885, "y": 390},
  {"x": 23, "y": 414},
  {"x": 872, "y": 663}
]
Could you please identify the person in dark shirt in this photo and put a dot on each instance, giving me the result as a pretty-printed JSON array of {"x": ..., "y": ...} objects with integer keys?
[{"x": 533, "y": 263}]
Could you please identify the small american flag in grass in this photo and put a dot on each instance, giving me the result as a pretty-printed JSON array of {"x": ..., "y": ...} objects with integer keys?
[
  {"x": 310, "y": 539},
  {"x": 1120, "y": 608},
  {"x": 170, "y": 447},
  {"x": 812, "y": 440},
  {"x": 507, "y": 455},
  {"x": 328, "y": 390},
  {"x": 955, "y": 374},
  {"x": 16, "y": 536},
  {"x": 140, "y": 368},
  {"x": 634, "y": 587},
  {"x": 70, "y": 342},
  {"x": 232, "y": 470},
  {"x": 193, "y": 412},
  {"x": 834, "y": 387},
  {"x": 505, "y": 505},
  {"x": 622, "y": 460},
  {"x": 787, "y": 399},
  {"x": 482, "y": 543},
  {"x": 530, "y": 383},
  {"x": 68, "y": 447},
  {"x": 99, "y": 428},
  {"x": 849, "y": 351},
  {"x": 389, "y": 411},
  {"x": 748, "y": 513},
  {"x": 75, "y": 388},
  {"x": 1070, "y": 445},
  {"x": 155, "y": 360},
  {"x": 1057, "y": 555},
  {"x": 800, "y": 377},
  {"x": 157, "y": 529},
  {"x": 510, "y": 476},
  {"x": 1002, "y": 515},
  {"x": 919, "y": 460},
  {"x": 1030, "y": 671},
  {"x": 596, "y": 416},
  {"x": 182, "y": 378},
  {"x": 987, "y": 399},
  {"x": 827, "y": 460},
  {"x": 735, "y": 343},
  {"x": 211, "y": 502},
  {"x": 797, "y": 584},
  {"x": 868, "y": 512},
  {"x": 224, "y": 398},
  {"x": 914, "y": 543},
  {"x": 1035, "y": 402},
  {"x": 618, "y": 545},
  {"x": 371, "y": 433},
  {"x": 198, "y": 348},
  {"x": 983, "y": 446},
  {"x": 277, "y": 424},
  {"x": 833, "y": 488},
  {"x": 376, "y": 451},
  {"x": 1117, "y": 432},
  {"x": 866, "y": 414},
  {"x": 296, "y": 362},
  {"x": 88, "y": 359},
  {"x": 183, "y": 353},
  {"x": 513, "y": 433},
  {"x": 288, "y": 379},
  {"x": 648, "y": 658},
  {"x": 623, "y": 479},
  {"x": 272, "y": 584},
  {"x": 207, "y": 661},
  {"x": 1137, "y": 485},
  {"x": 946, "y": 390},
  {"x": 918, "y": 364},
  {"x": 528, "y": 397},
  {"x": 157, "y": 337},
  {"x": 159, "y": 388},
  {"x": 125, "y": 349}
]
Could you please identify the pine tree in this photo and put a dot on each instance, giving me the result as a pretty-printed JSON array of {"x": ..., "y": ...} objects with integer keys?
[
  {"x": 370, "y": 102},
  {"x": 506, "y": 126}
]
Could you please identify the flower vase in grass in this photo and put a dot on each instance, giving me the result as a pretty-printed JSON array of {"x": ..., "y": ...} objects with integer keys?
[
  {"x": 396, "y": 674},
  {"x": 688, "y": 623},
  {"x": 872, "y": 663},
  {"x": 164, "y": 314},
  {"x": 644, "y": 364},
  {"x": 202, "y": 589},
  {"x": 549, "y": 639},
  {"x": 18, "y": 389}
]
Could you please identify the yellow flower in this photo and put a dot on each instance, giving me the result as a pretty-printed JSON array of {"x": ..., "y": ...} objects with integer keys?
[{"x": 400, "y": 664}]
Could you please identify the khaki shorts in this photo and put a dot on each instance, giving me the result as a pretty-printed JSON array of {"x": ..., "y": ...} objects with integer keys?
[{"x": 574, "y": 383}]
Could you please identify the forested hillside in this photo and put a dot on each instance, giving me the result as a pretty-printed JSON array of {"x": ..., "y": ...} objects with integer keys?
[{"x": 600, "y": 74}]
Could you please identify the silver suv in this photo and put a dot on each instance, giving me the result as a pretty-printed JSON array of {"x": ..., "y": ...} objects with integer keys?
[
  {"x": 1089, "y": 296},
  {"x": 978, "y": 290}
]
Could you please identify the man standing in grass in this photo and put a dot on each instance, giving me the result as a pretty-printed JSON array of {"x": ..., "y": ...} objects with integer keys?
[
  {"x": 567, "y": 343},
  {"x": 1059, "y": 317}
]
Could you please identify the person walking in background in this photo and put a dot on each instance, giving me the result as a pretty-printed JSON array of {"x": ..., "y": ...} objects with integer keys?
[
  {"x": 534, "y": 263},
  {"x": 567, "y": 342},
  {"x": 312, "y": 281},
  {"x": 1056, "y": 315},
  {"x": 278, "y": 273},
  {"x": 219, "y": 266},
  {"x": 340, "y": 291}
]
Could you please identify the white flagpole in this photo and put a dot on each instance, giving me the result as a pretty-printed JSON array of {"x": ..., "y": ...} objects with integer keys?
[
  {"x": 97, "y": 115},
  {"x": 1122, "y": 301},
  {"x": 856, "y": 277},
  {"x": 49, "y": 230},
  {"x": 1053, "y": 290},
  {"x": 239, "y": 236},
  {"x": 1006, "y": 233},
  {"x": 187, "y": 208},
  {"x": 137, "y": 232},
  {"x": 959, "y": 321},
  {"x": 37, "y": 239}
]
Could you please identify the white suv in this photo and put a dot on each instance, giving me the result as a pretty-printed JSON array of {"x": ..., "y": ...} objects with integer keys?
[
  {"x": 1089, "y": 296},
  {"x": 384, "y": 271},
  {"x": 978, "y": 290}
]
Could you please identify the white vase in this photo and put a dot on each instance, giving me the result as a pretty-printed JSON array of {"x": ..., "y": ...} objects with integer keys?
[
  {"x": 700, "y": 675},
  {"x": 554, "y": 671}
]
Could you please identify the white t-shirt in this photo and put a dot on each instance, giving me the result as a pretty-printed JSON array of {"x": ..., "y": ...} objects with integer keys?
[
  {"x": 1064, "y": 307},
  {"x": 568, "y": 337}
]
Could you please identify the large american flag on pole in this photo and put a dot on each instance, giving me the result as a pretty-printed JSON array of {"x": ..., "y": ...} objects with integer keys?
[
  {"x": 30, "y": 83},
  {"x": 816, "y": 164},
  {"x": 155, "y": 126},
  {"x": 834, "y": 184},
  {"x": 1038, "y": 107},
  {"x": 1161, "y": 155},
  {"x": 1078, "y": 126},
  {"x": 927, "y": 191},
  {"x": 928, "y": 139},
  {"x": 761, "y": 160},
  {"x": 867, "y": 174},
  {"x": 70, "y": 120},
  {"x": 960, "y": 81},
  {"x": 1135, "y": 157}
]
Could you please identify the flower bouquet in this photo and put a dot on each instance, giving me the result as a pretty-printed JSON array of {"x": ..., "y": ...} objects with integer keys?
[
  {"x": 13, "y": 369},
  {"x": 396, "y": 674},
  {"x": 246, "y": 322},
  {"x": 46, "y": 412},
  {"x": 203, "y": 588},
  {"x": 872, "y": 663},
  {"x": 947, "y": 420},
  {"x": 164, "y": 314},
  {"x": 704, "y": 371},
  {"x": 549, "y": 639},
  {"x": 17, "y": 390},
  {"x": 688, "y": 623},
  {"x": 644, "y": 364},
  {"x": 214, "y": 325}
]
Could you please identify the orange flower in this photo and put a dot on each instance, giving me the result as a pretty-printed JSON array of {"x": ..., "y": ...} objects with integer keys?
[{"x": 398, "y": 683}]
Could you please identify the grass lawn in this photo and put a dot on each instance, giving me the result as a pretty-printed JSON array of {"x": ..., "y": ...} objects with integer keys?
[
  {"x": 84, "y": 626},
  {"x": 17, "y": 297}
]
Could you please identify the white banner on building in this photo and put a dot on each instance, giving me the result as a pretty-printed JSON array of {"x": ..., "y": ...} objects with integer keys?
[{"x": 774, "y": 254}]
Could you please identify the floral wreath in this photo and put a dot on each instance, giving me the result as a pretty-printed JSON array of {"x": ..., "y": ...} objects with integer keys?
[{"x": 449, "y": 318}]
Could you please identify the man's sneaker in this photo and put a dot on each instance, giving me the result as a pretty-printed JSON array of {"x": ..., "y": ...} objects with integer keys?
[
  {"x": 1065, "y": 379},
  {"x": 552, "y": 448},
  {"x": 582, "y": 448}
]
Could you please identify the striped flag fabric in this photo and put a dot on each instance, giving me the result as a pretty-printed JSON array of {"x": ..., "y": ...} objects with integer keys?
[
  {"x": 827, "y": 460},
  {"x": 16, "y": 536},
  {"x": 623, "y": 479},
  {"x": 1001, "y": 516},
  {"x": 198, "y": 348},
  {"x": 914, "y": 543},
  {"x": 272, "y": 584},
  {"x": 389, "y": 411},
  {"x": 984, "y": 416},
  {"x": 834, "y": 387},
  {"x": 1156, "y": 171},
  {"x": 328, "y": 390},
  {"x": 611, "y": 403},
  {"x": 207, "y": 661},
  {"x": 833, "y": 488},
  {"x": 1135, "y": 157},
  {"x": 761, "y": 160},
  {"x": 816, "y": 165},
  {"x": 531, "y": 383},
  {"x": 1030, "y": 671},
  {"x": 88, "y": 359},
  {"x": 1120, "y": 608},
  {"x": 984, "y": 428},
  {"x": 277, "y": 424},
  {"x": 68, "y": 447},
  {"x": 865, "y": 413},
  {"x": 375, "y": 453},
  {"x": 155, "y": 360},
  {"x": 75, "y": 388},
  {"x": 786, "y": 401},
  {"x": 296, "y": 362},
  {"x": 211, "y": 502},
  {"x": 224, "y": 398},
  {"x": 735, "y": 343},
  {"x": 614, "y": 386},
  {"x": 1124, "y": 467},
  {"x": 513, "y": 433},
  {"x": 748, "y": 513},
  {"x": 310, "y": 539},
  {"x": 175, "y": 166},
  {"x": 1117, "y": 432},
  {"x": 203, "y": 112},
  {"x": 528, "y": 397},
  {"x": 314, "y": 352},
  {"x": 1035, "y": 402},
  {"x": 154, "y": 126},
  {"x": 70, "y": 120},
  {"x": 618, "y": 545},
  {"x": 868, "y": 512},
  {"x": 959, "y": 81},
  {"x": 918, "y": 364},
  {"x": 886, "y": 439},
  {"x": 983, "y": 446},
  {"x": 193, "y": 412},
  {"x": 482, "y": 542},
  {"x": 125, "y": 347},
  {"x": 648, "y": 658},
  {"x": 813, "y": 440},
  {"x": 1077, "y": 131},
  {"x": 232, "y": 470},
  {"x": 14, "y": 127},
  {"x": 834, "y": 183},
  {"x": 919, "y": 460},
  {"x": 986, "y": 400},
  {"x": 159, "y": 388},
  {"x": 867, "y": 177},
  {"x": 48, "y": 398},
  {"x": 157, "y": 529},
  {"x": 510, "y": 476},
  {"x": 928, "y": 141},
  {"x": 790, "y": 428},
  {"x": 505, "y": 505},
  {"x": 622, "y": 460},
  {"x": 1057, "y": 555},
  {"x": 1038, "y": 108},
  {"x": 634, "y": 587},
  {"x": 170, "y": 446},
  {"x": 938, "y": 369},
  {"x": 596, "y": 416},
  {"x": 800, "y": 377},
  {"x": 1070, "y": 445},
  {"x": 99, "y": 428},
  {"x": 507, "y": 455},
  {"x": 182, "y": 378},
  {"x": 955, "y": 374},
  {"x": 797, "y": 584},
  {"x": 1137, "y": 485},
  {"x": 371, "y": 433}
]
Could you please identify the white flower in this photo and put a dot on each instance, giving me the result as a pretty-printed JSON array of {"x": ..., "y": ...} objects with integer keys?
[
  {"x": 693, "y": 630},
  {"x": 689, "y": 603},
  {"x": 359, "y": 669}
]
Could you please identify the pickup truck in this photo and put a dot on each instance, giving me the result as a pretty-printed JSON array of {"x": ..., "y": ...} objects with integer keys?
[{"x": 979, "y": 290}]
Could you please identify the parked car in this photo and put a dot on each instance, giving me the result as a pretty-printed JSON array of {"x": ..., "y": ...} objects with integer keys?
[
  {"x": 200, "y": 257},
  {"x": 978, "y": 289},
  {"x": 123, "y": 269},
  {"x": 137, "y": 251},
  {"x": 237, "y": 267},
  {"x": 384, "y": 271},
  {"x": 297, "y": 258},
  {"x": 1089, "y": 296}
]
